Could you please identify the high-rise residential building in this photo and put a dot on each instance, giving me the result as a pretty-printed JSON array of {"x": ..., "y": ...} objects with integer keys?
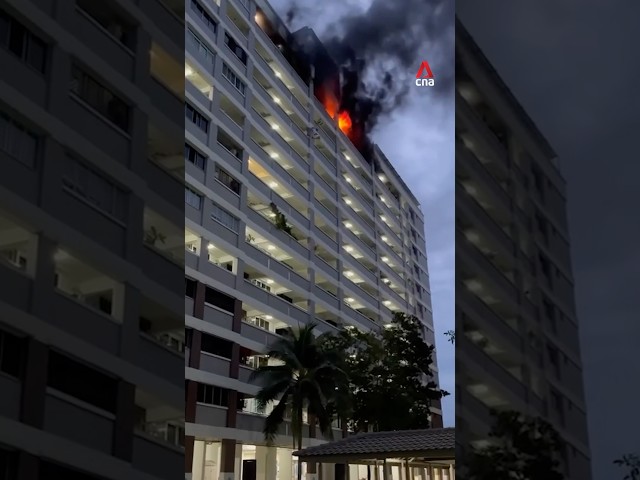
[
  {"x": 518, "y": 343},
  {"x": 287, "y": 223},
  {"x": 91, "y": 256}
]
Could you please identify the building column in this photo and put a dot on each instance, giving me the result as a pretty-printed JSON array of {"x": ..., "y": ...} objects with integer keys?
[
  {"x": 285, "y": 464},
  {"x": 28, "y": 466},
  {"x": 34, "y": 384},
  {"x": 198, "y": 462},
  {"x": 266, "y": 463},
  {"x": 130, "y": 315},
  {"x": 312, "y": 471},
  {"x": 125, "y": 419},
  {"x": 227, "y": 459}
]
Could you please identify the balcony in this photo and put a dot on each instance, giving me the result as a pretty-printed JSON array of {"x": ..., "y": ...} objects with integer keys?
[
  {"x": 284, "y": 91},
  {"x": 272, "y": 301},
  {"x": 476, "y": 212},
  {"x": 290, "y": 243},
  {"x": 282, "y": 62},
  {"x": 283, "y": 175},
  {"x": 257, "y": 334},
  {"x": 327, "y": 163},
  {"x": 275, "y": 266},
  {"x": 268, "y": 99},
  {"x": 485, "y": 268}
]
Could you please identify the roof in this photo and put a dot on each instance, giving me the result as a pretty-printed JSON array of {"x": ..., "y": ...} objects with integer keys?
[{"x": 403, "y": 443}]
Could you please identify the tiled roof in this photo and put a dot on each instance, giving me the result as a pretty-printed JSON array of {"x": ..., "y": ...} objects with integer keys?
[{"x": 385, "y": 444}]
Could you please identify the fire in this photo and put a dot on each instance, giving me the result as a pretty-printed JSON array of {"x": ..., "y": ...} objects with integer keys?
[
  {"x": 344, "y": 122},
  {"x": 331, "y": 104}
]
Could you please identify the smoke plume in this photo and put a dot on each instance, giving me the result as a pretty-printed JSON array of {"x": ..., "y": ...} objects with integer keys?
[{"x": 380, "y": 50}]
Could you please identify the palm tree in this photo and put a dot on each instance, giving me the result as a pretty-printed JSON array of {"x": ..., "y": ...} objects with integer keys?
[{"x": 306, "y": 378}]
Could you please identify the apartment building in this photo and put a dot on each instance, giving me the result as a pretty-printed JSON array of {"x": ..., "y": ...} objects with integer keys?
[
  {"x": 286, "y": 224},
  {"x": 518, "y": 332},
  {"x": 91, "y": 256}
]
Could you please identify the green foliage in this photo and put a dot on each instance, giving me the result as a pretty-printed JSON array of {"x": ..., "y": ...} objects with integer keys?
[
  {"x": 306, "y": 379},
  {"x": 280, "y": 220},
  {"x": 389, "y": 376},
  {"x": 631, "y": 463},
  {"x": 521, "y": 448}
]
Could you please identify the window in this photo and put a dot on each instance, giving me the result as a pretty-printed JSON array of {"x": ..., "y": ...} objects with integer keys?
[
  {"x": 212, "y": 395},
  {"x": 20, "y": 41},
  {"x": 194, "y": 156},
  {"x": 227, "y": 180},
  {"x": 102, "y": 13},
  {"x": 10, "y": 354},
  {"x": 17, "y": 142},
  {"x": 204, "y": 16},
  {"x": 233, "y": 78},
  {"x": 94, "y": 188},
  {"x": 235, "y": 48},
  {"x": 190, "y": 288},
  {"x": 206, "y": 54},
  {"x": 216, "y": 346},
  {"x": 220, "y": 215},
  {"x": 100, "y": 98},
  {"x": 82, "y": 382},
  {"x": 196, "y": 117},
  {"x": 219, "y": 300},
  {"x": 192, "y": 198}
]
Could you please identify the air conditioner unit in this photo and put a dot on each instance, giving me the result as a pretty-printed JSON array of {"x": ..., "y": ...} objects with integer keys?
[{"x": 313, "y": 133}]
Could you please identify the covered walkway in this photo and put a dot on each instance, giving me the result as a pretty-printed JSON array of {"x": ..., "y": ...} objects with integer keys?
[{"x": 400, "y": 455}]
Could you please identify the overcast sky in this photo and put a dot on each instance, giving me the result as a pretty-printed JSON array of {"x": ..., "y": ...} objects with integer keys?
[
  {"x": 574, "y": 66},
  {"x": 418, "y": 138}
]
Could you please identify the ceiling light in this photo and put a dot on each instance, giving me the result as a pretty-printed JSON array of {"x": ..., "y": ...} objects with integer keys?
[
  {"x": 272, "y": 215},
  {"x": 276, "y": 99},
  {"x": 347, "y": 201},
  {"x": 278, "y": 74},
  {"x": 271, "y": 247},
  {"x": 384, "y": 238},
  {"x": 387, "y": 302},
  {"x": 381, "y": 177},
  {"x": 349, "y": 248},
  {"x": 349, "y": 274},
  {"x": 273, "y": 185},
  {"x": 269, "y": 281},
  {"x": 348, "y": 225},
  {"x": 383, "y": 218},
  {"x": 386, "y": 280},
  {"x": 347, "y": 179},
  {"x": 268, "y": 317},
  {"x": 275, "y": 127},
  {"x": 349, "y": 299},
  {"x": 210, "y": 246},
  {"x": 385, "y": 259},
  {"x": 274, "y": 155},
  {"x": 188, "y": 71}
]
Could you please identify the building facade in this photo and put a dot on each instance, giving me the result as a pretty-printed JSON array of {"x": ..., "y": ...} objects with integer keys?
[
  {"x": 91, "y": 256},
  {"x": 286, "y": 224},
  {"x": 515, "y": 312}
]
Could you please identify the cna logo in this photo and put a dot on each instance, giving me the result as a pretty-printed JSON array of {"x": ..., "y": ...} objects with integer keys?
[{"x": 424, "y": 77}]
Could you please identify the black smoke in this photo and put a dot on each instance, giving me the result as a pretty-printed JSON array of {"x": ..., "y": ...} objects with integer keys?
[{"x": 380, "y": 50}]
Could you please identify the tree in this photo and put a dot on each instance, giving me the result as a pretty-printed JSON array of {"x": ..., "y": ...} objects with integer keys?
[
  {"x": 305, "y": 379},
  {"x": 389, "y": 374},
  {"x": 521, "y": 448},
  {"x": 631, "y": 462}
]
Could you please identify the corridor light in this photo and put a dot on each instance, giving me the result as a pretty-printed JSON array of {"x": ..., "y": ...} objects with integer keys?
[
  {"x": 188, "y": 71},
  {"x": 273, "y": 185},
  {"x": 381, "y": 177},
  {"x": 385, "y": 259},
  {"x": 276, "y": 100},
  {"x": 347, "y": 201},
  {"x": 349, "y": 274},
  {"x": 387, "y": 302},
  {"x": 277, "y": 74},
  {"x": 271, "y": 247},
  {"x": 348, "y": 179},
  {"x": 210, "y": 246},
  {"x": 269, "y": 281},
  {"x": 349, "y": 248},
  {"x": 348, "y": 225},
  {"x": 383, "y": 218},
  {"x": 268, "y": 317},
  {"x": 274, "y": 155},
  {"x": 384, "y": 238},
  {"x": 349, "y": 299},
  {"x": 275, "y": 127}
]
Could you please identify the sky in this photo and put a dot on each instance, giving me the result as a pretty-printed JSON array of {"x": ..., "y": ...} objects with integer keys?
[
  {"x": 574, "y": 66},
  {"x": 418, "y": 138}
]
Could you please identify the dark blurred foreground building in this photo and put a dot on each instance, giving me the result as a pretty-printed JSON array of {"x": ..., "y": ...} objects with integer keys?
[
  {"x": 91, "y": 249},
  {"x": 517, "y": 342}
]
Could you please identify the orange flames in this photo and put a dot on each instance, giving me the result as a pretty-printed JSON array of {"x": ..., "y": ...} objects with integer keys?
[{"x": 344, "y": 122}]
